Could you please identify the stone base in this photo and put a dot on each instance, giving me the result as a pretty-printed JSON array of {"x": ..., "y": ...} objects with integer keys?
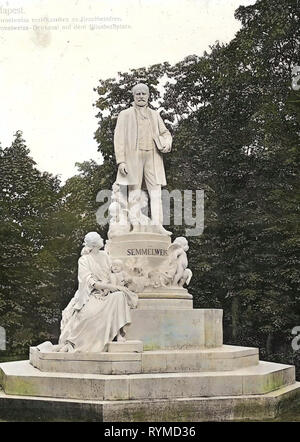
[
  {"x": 166, "y": 361},
  {"x": 21, "y": 378},
  {"x": 202, "y": 409},
  {"x": 227, "y": 383}
]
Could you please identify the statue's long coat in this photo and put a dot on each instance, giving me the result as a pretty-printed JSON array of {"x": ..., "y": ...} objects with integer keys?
[{"x": 125, "y": 143}]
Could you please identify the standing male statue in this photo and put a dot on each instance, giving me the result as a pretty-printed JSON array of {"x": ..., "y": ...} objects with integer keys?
[{"x": 139, "y": 139}]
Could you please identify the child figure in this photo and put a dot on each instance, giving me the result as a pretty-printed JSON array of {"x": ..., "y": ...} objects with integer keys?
[
  {"x": 118, "y": 224},
  {"x": 138, "y": 201},
  {"x": 121, "y": 278},
  {"x": 118, "y": 275},
  {"x": 178, "y": 262}
]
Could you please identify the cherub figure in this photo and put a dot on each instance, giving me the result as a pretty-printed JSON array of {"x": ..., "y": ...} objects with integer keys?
[
  {"x": 118, "y": 224},
  {"x": 138, "y": 201},
  {"x": 138, "y": 279},
  {"x": 159, "y": 279},
  {"x": 186, "y": 278},
  {"x": 118, "y": 195},
  {"x": 121, "y": 278},
  {"x": 178, "y": 262},
  {"x": 118, "y": 275}
]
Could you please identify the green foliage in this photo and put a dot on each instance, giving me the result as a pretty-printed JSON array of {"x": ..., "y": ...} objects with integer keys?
[{"x": 28, "y": 200}]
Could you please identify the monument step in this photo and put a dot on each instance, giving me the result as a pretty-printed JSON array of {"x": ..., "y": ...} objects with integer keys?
[
  {"x": 224, "y": 358},
  {"x": 201, "y": 409},
  {"x": 125, "y": 347},
  {"x": 118, "y": 361},
  {"x": 21, "y": 378}
]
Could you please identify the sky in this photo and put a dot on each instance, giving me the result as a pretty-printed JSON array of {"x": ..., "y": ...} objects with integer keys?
[{"x": 53, "y": 53}]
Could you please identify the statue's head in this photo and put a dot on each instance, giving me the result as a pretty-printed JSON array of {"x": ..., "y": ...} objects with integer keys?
[
  {"x": 116, "y": 266},
  {"x": 182, "y": 242},
  {"x": 140, "y": 94},
  {"x": 92, "y": 240}
]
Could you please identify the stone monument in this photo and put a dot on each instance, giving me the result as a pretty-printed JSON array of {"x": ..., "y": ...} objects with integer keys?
[{"x": 132, "y": 347}]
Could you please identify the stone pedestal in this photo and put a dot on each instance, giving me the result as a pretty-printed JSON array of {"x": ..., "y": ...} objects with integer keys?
[
  {"x": 130, "y": 382},
  {"x": 150, "y": 248},
  {"x": 146, "y": 259},
  {"x": 142, "y": 254},
  {"x": 172, "y": 367},
  {"x": 176, "y": 328}
]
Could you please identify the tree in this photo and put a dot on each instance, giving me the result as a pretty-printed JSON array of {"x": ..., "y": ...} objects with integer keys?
[{"x": 28, "y": 200}]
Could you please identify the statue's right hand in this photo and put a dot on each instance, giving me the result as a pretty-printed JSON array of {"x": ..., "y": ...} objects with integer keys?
[{"x": 123, "y": 169}]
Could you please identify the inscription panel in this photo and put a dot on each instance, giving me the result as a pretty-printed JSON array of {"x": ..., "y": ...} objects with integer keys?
[{"x": 147, "y": 252}]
